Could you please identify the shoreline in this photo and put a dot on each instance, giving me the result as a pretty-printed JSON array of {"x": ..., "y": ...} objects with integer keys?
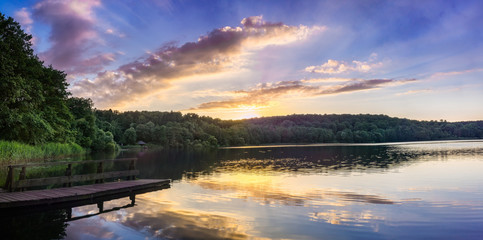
[{"x": 352, "y": 144}]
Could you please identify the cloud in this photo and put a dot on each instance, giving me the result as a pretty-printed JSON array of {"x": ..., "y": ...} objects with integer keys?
[
  {"x": 356, "y": 86},
  {"x": 338, "y": 67},
  {"x": 115, "y": 32},
  {"x": 73, "y": 35},
  {"x": 439, "y": 75},
  {"x": 410, "y": 92},
  {"x": 218, "y": 51},
  {"x": 326, "y": 80},
  {"x": 23, "y": 17},
  {"x": 260, "y": 96},
  {"x": 263, "y": 94}
]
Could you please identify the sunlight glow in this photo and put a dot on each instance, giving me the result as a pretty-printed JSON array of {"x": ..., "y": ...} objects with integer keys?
[{"x": 247, "y": 111}]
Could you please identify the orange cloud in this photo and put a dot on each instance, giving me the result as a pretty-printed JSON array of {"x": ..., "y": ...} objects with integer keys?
[
  {"x": 263, "y": 94},
  {"x": 212, "y": 53},
  {"x": 259, "y": 96}
]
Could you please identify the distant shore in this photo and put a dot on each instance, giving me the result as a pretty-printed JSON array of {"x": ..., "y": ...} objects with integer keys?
[{"x": 352, "y": 144}]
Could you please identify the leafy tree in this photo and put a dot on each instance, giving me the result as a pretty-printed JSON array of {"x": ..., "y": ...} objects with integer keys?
[
  {"x": 32, "y": 101},
  {"x": 84, "y": 127},
  {"x": 129, "y": 136}
]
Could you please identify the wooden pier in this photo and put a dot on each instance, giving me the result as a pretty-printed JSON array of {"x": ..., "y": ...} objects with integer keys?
[{"x": 68, "y": 197}]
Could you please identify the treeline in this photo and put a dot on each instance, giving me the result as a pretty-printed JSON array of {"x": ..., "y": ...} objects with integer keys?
[
  {"x": 174, "y": 129},
  {"x": 35, "y": 106}
]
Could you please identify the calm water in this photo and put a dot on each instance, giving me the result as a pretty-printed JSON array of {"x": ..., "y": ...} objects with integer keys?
[{"x": 410, "y": 191}]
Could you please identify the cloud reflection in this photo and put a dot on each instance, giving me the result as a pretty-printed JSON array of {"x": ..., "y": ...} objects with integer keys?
[
  {"x": 343, "y": 217},
  {"x": 155, "y": 219}
]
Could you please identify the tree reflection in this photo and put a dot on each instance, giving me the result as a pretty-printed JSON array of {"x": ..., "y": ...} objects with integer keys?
[
  {"x": 43, "y": 225},
  {"x": 190, "y": 164}
]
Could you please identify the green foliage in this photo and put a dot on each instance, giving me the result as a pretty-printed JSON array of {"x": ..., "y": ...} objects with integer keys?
[
  {"x": 31, "y": 128},
  {"x": 84, "y": 127},
  {"x": 130, "y": 136},
  {"x": 84, "y": 132},
  {"x": 103, "y": 141},
  {"x": 80, "y": 107},
  {"x": 175, "y": 130}
]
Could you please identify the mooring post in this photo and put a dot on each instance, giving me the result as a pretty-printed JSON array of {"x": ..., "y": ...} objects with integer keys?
[
  {"x": 99, "y": 171},
  {"x": 10, "y": 179},
  {"x": 69, "y": 213},
  {"x": 68, "y": 173},
  {"x": 132, "y": 197},
  {"x": 22, "y": 176},
  {"x": 100, "y": 205},
  {"x": 132, "y": 166}
]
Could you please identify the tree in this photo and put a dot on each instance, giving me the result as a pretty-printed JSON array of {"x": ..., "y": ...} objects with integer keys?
[
  {"x": 129, "y": 136},
  {"x": 32, "y": 101},
  {"x": 80, "y": 107}
]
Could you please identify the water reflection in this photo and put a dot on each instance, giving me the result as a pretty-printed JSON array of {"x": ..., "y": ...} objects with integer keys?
[
  {"x": 344, "y": 217},
  {"x": 269, "y": 194},
  {"x": 413, "y": 191},
  {"x": 45, "y": 225},
  {"x": 364, "y": 192},
  {"x": 331, "y": 159},
  {"x": 51, "y": 220},
  {"x": 158, "y": 220}
]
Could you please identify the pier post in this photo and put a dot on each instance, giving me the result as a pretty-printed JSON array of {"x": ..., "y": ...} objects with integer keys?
[
  {"x": 68, "y": 173},
  {"x": 68, "y": 211},
  {"x": 99, "y": 171},
  {"x": 132, "y": 166},
  {"x": 10, "y": 179},
  {"x": 100, "y": 205},
  {"x": 22, "y": 176}
]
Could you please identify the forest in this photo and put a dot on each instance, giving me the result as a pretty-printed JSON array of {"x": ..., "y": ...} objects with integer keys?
[
  {"x": 174, "y": 129},
  {"x": 36, "y": 109}
]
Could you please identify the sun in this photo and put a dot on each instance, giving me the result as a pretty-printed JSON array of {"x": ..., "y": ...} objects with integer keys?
[
  {"x": 247, "y": 116},
  {"x": 247, "y": 111}
]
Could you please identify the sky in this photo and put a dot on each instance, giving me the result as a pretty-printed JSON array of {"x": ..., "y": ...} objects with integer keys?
[{"x": 242, "y": 59}]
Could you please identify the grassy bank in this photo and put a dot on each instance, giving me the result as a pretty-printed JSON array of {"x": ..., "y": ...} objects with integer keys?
[{"x": 15, "y": 152}]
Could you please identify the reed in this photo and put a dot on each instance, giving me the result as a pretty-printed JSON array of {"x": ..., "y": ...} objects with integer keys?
[{"x": 14, "y": 152}]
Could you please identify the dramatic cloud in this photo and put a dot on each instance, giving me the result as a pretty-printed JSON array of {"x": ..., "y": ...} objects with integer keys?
[
  {"x": 337, "y": 67},
  {"x": 263, "y": 94},
  {"x": 72, "y": 36},
  {"x": 218, "y": 51},
  {"x": 259, "y": 96}
]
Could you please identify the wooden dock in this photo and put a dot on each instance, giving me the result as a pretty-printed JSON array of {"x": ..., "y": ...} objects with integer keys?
[
  {"x": 68, "y": 197},
  {"x": 90, "y": 193}
]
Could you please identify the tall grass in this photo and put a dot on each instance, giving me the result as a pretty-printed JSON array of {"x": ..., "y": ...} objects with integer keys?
[{"x": 15, "y": 152}]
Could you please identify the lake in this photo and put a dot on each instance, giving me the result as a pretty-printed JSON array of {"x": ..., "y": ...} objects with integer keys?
[{"x": 429, "y": 190}]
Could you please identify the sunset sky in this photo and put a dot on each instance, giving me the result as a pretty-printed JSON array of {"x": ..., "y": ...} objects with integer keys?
[{"x": 240, "y": 59}]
